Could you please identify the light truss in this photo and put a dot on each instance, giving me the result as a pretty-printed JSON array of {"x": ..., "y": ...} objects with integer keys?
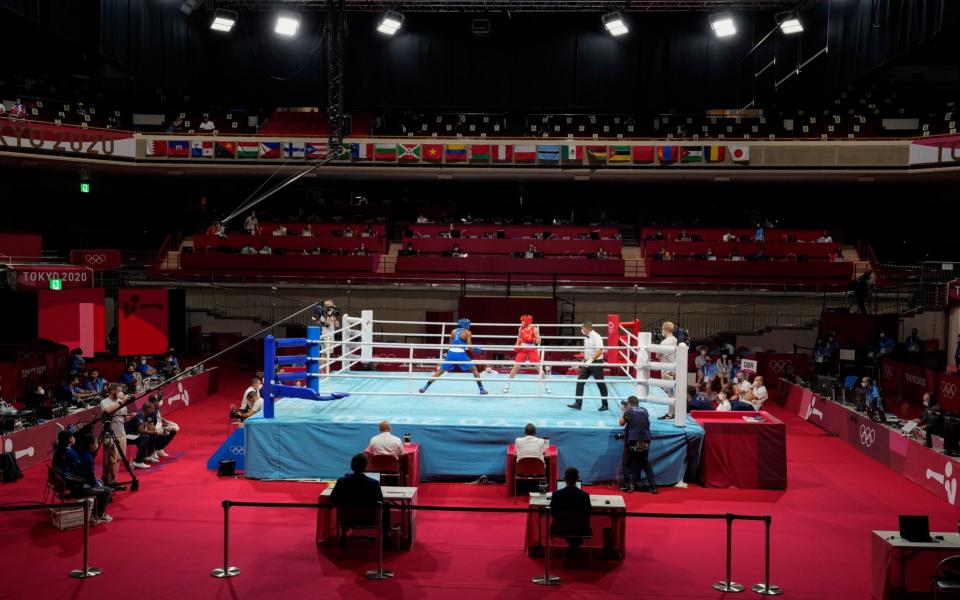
[{"x": 488, "y": 6}]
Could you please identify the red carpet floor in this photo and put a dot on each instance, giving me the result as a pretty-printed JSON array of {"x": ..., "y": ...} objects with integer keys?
[{"x": 167, "y": 537}]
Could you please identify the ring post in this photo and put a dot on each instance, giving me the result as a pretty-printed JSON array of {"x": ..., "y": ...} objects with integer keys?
[
  {"x": 766, "y": 588},
  {"x": 547, "y": 578},
  {"x": 379, "y": 572},
  {"x": 269, "y": 372},
  {"x": 728, "y": 585},
  {"x": 226, "y": 571},
  {"x": 680, "y": 385},
  {"x": 313, "y": 358},
  {"x": 86, "y": 571}
]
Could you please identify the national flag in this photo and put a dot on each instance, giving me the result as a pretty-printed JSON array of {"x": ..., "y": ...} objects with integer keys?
[
  {"x": 225, "y": 149},
  {"x": 409, "y": 152},
  {"x": 479, "y": 152},
  {"x": 525, "y": 153},
  {"x": 619, "y": 154},
  {"x": 691, "y": 153},
  {"x": 597, "y": 154},
  {"x": 385, "y": 152},
  {"x": 248, "y": 149},
  {"x": 361, "y": 151},
  {"x": 294, "y": 150},
  {"x": 178, "y": 148},
  {"x": 201, "y": 149},
  {"x": 571, "y": 154},
  {"x": 548, "y": 153},
  {"x": 269, "y": 149},
  {"x": 156, "y": 147},
  {"x": 642, "y": 154},
  {"x": 315, "y": 150},
  {"x": 668, "y": 154},
  {"x": 501, "y": 152},
  {"x": 455, "y": 153},
  {"x": 342, "y": 152},
  {"x": 740, "y": 153},
  {"x": 714, "y": 153},
  {"x": 432, "y": 152}
]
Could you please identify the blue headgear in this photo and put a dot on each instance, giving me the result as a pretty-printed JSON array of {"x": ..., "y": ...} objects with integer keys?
[{"x": 463, "y": 323}]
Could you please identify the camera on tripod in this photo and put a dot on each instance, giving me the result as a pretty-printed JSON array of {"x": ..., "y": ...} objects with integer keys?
[
  {"x": 325, "y": 311},
  {"x": 620, "y": 435}
]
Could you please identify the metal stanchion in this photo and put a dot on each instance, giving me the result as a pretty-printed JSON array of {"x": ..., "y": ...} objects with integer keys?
[
  {"x": 226, "y": 570},
  {"x": 729, "y": 585},
  {"x": 547, "y": 578},
  {"x": 766, "y": 588},
  {"x": 379, "y": 572},
  {"x": 87, "y": 570}
]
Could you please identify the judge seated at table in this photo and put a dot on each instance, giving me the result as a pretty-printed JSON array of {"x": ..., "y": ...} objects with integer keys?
[
  {"x": 357, "y": 491},
  {"x": 530, "y": 446},
  {"x": 385, "y": 443},
  {"x": 572, "y": 502}
]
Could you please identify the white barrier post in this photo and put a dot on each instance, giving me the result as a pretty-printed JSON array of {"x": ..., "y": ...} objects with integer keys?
[
  {"x": 643, "y": 364},
  {"x": 366, "y": 335},
  {"x": 680, "y": 386}
]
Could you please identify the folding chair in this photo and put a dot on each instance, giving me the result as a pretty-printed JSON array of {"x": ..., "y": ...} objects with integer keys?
[{"x": 529, "y": 468}]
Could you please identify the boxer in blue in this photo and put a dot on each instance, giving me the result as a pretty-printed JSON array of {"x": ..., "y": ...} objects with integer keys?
[{"x": 457, "y": 357}]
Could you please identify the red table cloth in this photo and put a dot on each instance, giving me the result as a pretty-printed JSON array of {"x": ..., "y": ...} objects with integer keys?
[
  {"x": 550, "y": 457},
  {"x": 741, "y": 453}
]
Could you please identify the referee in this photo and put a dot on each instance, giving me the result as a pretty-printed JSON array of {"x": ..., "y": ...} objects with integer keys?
[{"x": 592, "y": 366}]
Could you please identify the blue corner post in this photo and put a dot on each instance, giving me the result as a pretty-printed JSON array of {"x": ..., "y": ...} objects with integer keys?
[
  {"x": 313, "y": 358},
  {"x": 269, "y": 372}
]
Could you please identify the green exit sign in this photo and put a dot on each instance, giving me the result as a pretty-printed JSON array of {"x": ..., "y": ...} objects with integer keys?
[
  {"x": 56, "y": 284},
  {"x": 84, "y": 188}
]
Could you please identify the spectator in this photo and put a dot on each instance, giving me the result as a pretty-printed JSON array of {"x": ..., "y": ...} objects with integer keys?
[
  {"x": 142, "y": 428},
  {"x": 710, "y": 255},
  {"x": 826, "y": 238},
  {"x": 742, "y": 385},
  {"x": 700, "y": 362},
  {"x": 530, "y": 445},
  {"x": 347, "y": 231},
  {"x": 131, "y": 378},
  {"x": 724, "y": 365},
  {"x": 885, "y": 345},
  {"x": 77, "y": 363},
  {"x": 734, "y": 255},
  {"x": 307, "y": 231},
  {"x": 931, "y": 421},
  {"x": 217, "y": 229},
  {"x": 162, "y": 432},
  {"x": 409, "y": 250},
  {"x": 697, "y": 399},
  {"x": 913, "y": 342},
  {"x": 146, "y": 371},
  {"x": 740, "y": 405},
  {"x": 571, "y": 499},
  {"x": 421, "y": 219},
  {"x": 368, "y": 232},
  {"x": 684, "y": 236},
  {"x": 18, "y": 111},
  {"x": 251, "y": 225},
  {"x": 169, "y": 366},
  {"x": 385, "y": 443},
  {"x": 758, "y": 393},
  {"x": 266, "y": 250},
  {"x": 723, "y": 398},
  {"x": 248, "y": 249},
  {"x": 254, "y": 405},
  {"x": 729, "y": 237},
  {"x": 758, "y": 234},
  {"x": 359, "y": 491},
  {"x": 207, "y": 126},
  {"x": 456, "y": 252},
  {"x": 73, "y": 461},
  {"x": 531, "y": 252},
  {"x": 176, "y": 125},
  {"x": 95, "y": 383},
  {"x": 280, "y": 230},
  {"x": 361, "y": 251},
  {"x": 601, "y": 253},
  {"x": 657, "y": 237}
]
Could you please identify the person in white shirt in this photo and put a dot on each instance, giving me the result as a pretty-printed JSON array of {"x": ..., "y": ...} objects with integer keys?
[
  {"x": 254, "y": 405},
  {"x": 307, "y": 231},
  {"x": 668, "y": 340},
  {"x": 280, "y": 231},
  {"x": 729, "y": 237},
  {"x": 723, "y": 402},
  {"x": 530, "y": 446},
  {"x": 207, "y": 125},
  {"x": 826, "y": 238},
  {"x": 385, "y": 443},
  {"x": 592, "y": 366},
  {"x": 256, "y": 383},
  {"x": 250, "y": 224},
  {"x": 114, "y": 405},
  {"x": 743, "y": 383},
  {"x": 758, "y": 394}
]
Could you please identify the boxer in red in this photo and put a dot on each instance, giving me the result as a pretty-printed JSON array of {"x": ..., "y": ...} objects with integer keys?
[{"x": 528, "y": 350}]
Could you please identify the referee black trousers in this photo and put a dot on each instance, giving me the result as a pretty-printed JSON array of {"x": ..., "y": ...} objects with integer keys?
[{"x": 586, "y": 372}]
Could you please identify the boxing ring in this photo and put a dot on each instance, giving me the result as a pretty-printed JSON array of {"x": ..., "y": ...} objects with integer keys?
[{"x": 461, "y": 433}]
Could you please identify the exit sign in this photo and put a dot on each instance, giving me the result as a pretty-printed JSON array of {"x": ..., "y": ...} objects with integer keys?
[
  {"x": 84, "y": 188},
  {"x": 56, "y": 284}
]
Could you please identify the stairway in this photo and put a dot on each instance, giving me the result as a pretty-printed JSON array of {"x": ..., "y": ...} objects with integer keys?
[
  {"x": 634, "y": 265},
  {"x": 388, "y": 261},
  {"x": 850, "y": 254}
]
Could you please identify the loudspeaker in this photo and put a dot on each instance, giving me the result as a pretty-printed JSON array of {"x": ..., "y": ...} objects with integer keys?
[{"x": 226, "y": 468}]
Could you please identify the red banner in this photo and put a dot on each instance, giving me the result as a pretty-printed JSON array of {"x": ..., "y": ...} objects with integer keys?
[
  {"x": 142, "y": 321},
  {"x": 953, "y": 292},
  {"x": 20, "y": 246},
  {"x": 74, "y": 318},
  {"x": 903, "y": 385},
  {"x": 97, "y": 259},
  {"x": 774, "y": 366},
  {"x": 948, "y": 392},
  {"x": 38, "y": 277}
]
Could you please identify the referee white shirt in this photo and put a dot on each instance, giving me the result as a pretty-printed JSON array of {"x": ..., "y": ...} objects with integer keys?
[
  {"x": 385, "y": 443},
  {"x": 530, "y": 446},
  {"x": 591, "y": 343}
]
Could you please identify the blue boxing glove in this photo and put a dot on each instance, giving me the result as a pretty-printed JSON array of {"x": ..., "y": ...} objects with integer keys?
[{"x": 478, "y": 349}]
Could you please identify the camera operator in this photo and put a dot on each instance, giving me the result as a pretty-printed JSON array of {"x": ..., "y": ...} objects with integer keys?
[
  {"x": 113, "y": 411},
  {"x": 328, "y": 316},
  {"x": 636, "y": 445}
]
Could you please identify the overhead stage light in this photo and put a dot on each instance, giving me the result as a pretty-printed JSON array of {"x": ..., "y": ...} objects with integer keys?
[
  {"x": 287, "y": 24},
  {"x": 390, "y": 22},
  {"x": 188, "y": 6},
  {"x": 723, "y": 25},
  {"x": 223, "y": 20},
  {"x": 791, "y": 24},
  {"x": 615, "y": 24}
]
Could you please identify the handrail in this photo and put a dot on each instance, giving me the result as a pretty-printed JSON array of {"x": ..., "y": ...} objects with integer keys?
[{"x": 86, "y": 505}]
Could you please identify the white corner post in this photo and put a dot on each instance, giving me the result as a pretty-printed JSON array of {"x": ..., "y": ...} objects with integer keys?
[
  {"x": 366, "y": 335},
  {"x": 680, "y": 386},
  {"x": 642, "y": 364}
]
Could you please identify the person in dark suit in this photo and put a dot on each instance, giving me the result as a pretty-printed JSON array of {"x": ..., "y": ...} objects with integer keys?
[
  {"x": 571, "y": 499},
  {"x": 356, "y": 490},
  {"x": 636, "y": 446}
]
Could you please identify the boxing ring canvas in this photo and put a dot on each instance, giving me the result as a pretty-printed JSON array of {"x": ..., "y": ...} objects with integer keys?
[{"x": 460, "y": 436}]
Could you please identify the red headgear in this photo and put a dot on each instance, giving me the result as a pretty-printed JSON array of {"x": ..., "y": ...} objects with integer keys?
[{"x": 526, "y": 319}]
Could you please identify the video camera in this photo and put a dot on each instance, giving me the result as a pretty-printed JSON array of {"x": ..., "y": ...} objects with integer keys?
[{"x": 322, "y": 312}]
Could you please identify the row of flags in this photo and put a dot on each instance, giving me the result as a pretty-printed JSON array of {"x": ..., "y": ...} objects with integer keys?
[{"x": 546, "y": 154}]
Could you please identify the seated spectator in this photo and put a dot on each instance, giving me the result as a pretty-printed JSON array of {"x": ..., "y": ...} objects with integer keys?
[
  {"x": 307, "y": 231},
  {"x": 207, "y": 126},
  {"x": 657, "y": 237},
  {"x": 217, "y": 228},
  {"x": 697, "y": 399},
  {"x": 734, "y": 255},
  {"x": 758, "y": 393},
  {"x": 162, "y": 433},
  {"x": 729, "y": 237},
  {"x": 17, "y": 111},
  {"x": 251, "y": 225},
  {"x": 280, "y": 231},
  {"x": 531, "y": 252},
  {"x": 710, "y": 255},
  {"x": 95, "y": 383},
  {"x": 701, "y": 361},
  {"x": 74, "y": 462},
  {"x": 684, "y": 236},
  {"x": 77, "y": 363},
  {"x": 146, "y": 371},
  {"x": 758, "y": 234},
  {"x": 913, "y": 341},
  {"x": 361, "y": 251},
  {"x": 456, "y": 252},
  {"x": 254, "y": 404},
  {"x": 385, "y": 443},
  {"x": 347, "y": 231},
  {"x": 176, "y": 125},
  {"x": 885, "y": 345},
  {"x": 826, "y": 238},
  {"x": 602, "y": 254},
  {"x": 248, "y": 249},
  {"x": 368, "y": 232},
  {"x": 723, "y": 399},
  {"x": 169, "y": 366},
  {"x": 422, "y": 219},
  {"x": 356, "y": 490},
  {"x": 571, "y": 499},
  {"x": 742, "y": 384},
  {"x": 408, "y": 250},
  {"x": 530, "y": 445},
  {"x": 266, "y": 250}
]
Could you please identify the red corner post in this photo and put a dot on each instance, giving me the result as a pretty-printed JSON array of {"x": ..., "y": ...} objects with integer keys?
[{"x": 613, "y": 339}]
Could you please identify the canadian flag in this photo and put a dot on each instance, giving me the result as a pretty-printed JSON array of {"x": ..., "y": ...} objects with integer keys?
[{"x": 740, "y": 153}]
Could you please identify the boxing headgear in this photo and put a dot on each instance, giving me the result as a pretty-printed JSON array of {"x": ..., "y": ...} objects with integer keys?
[
  {"x": 526, "y": 319},
  {"x": 463, "y": 323}
]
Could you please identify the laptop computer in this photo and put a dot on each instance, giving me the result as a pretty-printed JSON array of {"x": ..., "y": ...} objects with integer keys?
[
  {"x": 908, "y": 427},
  {"x": 915, "y": 528},
  {"x": 563, "y": 484}
]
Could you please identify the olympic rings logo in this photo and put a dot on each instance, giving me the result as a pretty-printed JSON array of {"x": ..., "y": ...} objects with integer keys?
[
  {"x": 95, "y": 259},
  {"x": 868, "y": 435},
  {"x": 238, "y": 450},
  {"x": 777, "y": 366},
  {"x": 948, "y": 390}
]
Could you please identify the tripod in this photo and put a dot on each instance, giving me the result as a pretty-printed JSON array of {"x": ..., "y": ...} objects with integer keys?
[{"x": 109, "y": 441}]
